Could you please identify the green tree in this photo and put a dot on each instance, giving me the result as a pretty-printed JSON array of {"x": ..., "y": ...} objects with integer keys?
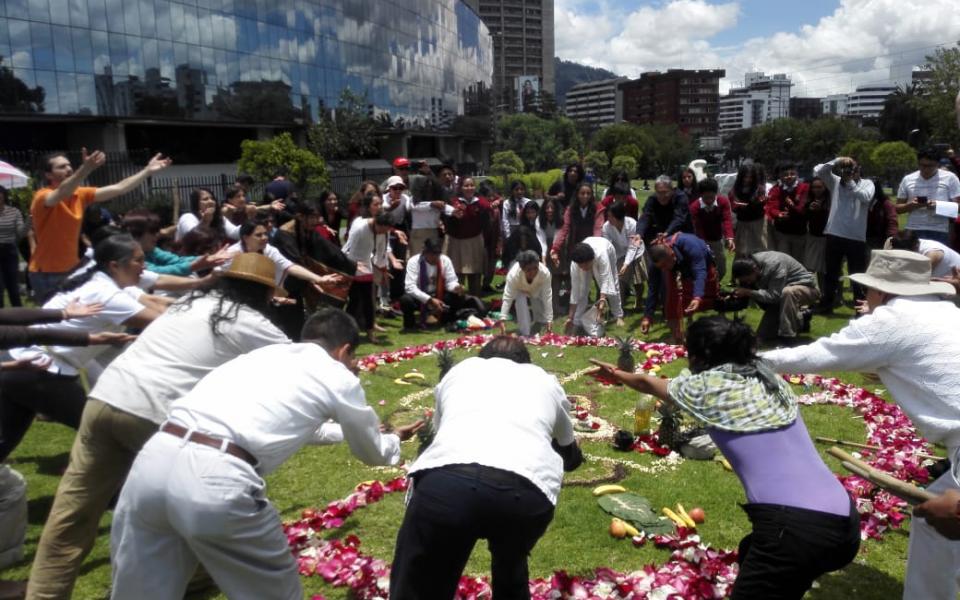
[
  {"x": 823, "y": 138},
  {"x": 626, "y": 163},
  {"x": 263, "y": 159},
  {"x": 674, "y": 149},
  {"x": 901, "y": 115},
  {"x": 537, "y": 141},
  {"x": 597, "y": 161},
  {"x": 631, "y": 150},
  {"x": 769, "y": 143},
  {"x": 936, "y": 104},
  {"x": 567, "y": 157},
  {"x": 348, "y": 132},
  {"x": 893, "y": 160},
  {"x": 620, "y": 135},
  {"x": 506, "y": 164}
]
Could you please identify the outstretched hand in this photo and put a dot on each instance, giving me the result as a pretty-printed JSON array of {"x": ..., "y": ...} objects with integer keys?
[
  {"x": 77, "y": 310},
  {"x": 158, "y": 163},
  {"x": 405, "y": 432}
]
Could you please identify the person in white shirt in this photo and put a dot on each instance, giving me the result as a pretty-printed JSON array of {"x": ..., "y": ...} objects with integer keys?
[
  {"x": 493, "y": 471},
  {"x": 620, "y": 230},
  {"x": 254, "y": 238},
  {"x": 119, "y": 264},
  {"x": 426, "y": 205},
  {"x": 196, "y": 492},
  {"x": 431, "y": 285},
  {"x": 396, "y": 202},
  {"x": 205, "y": 210},
  {"x": 943, "y": 260},
  {"x": 511, "y": 210},
  {"x": 919, "y": 193},
  {"x": 132, "y": 398},
  {"x": 367, "y": 246},
  {"x": 907, "y": 336},
  {"x": 528, "y": 280},
  {"x": 593, "y": 259}
]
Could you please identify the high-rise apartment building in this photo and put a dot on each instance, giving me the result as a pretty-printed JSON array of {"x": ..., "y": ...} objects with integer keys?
[
  {"x": 523, "y": 47},
  {"x": 594, "y": 102},
  {"x": 762, "y": 98},
  {"x": 687, "y": 98}
]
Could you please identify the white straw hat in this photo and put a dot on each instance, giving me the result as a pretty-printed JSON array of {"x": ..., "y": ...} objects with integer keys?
[{"x": 901, "y": 273}]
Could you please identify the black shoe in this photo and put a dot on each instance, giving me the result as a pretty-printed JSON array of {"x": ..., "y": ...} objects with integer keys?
[{"x": 807, "y": 316}]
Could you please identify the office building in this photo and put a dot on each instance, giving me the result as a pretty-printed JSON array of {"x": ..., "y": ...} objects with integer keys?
[
  {"x": 687, "y": 98},
  {"x": 806, "y": 108},
  {"x": 867, "y": 101},
  {"x": 594, "y": 102},
  {"x": 761, "y": 99}
]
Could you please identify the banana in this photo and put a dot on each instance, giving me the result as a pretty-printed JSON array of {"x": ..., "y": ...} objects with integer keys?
[
  {"x": 631, "y": 530},
  {"x": 674, "y": 517},
  {"x": 608, "y": 489},
  {"x": 686, "y": 518},
  {"x": 414, "y": 375},
  {"x": 400, "y": 381}
]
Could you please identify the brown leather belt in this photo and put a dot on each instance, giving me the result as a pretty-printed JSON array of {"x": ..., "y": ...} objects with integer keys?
[{"x": 208, "y": 440}]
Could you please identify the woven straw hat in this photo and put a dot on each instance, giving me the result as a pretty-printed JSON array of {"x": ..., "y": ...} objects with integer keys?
[
  {"x": 901, "y": 273},
  {"x": 252, "y": 266}
]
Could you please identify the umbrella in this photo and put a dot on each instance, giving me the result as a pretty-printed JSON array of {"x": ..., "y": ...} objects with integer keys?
[{"x": 12, "y": 177}]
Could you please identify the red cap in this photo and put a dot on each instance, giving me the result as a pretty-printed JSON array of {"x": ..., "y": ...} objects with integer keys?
[{"x": 401, "y": 163}]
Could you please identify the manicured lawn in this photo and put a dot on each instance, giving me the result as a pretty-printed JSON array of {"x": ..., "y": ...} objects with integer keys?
[{"x": 576, "y": 541}]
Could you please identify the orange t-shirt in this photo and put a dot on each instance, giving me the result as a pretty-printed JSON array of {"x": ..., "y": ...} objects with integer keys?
[{"x": 58, "y": 230}]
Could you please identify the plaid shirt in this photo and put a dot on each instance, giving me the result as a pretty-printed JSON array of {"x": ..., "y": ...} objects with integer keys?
[{"x": 727, "y": 398}]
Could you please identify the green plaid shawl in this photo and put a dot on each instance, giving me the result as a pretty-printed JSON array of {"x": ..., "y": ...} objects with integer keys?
[{"x": 737, "y": 398}]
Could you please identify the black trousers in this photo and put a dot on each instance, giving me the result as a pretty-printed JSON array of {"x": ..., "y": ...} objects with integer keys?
[
  {"x": 790, "y": 547},
  {"x": 360, "y": 304},
  {"x": 451, "y": 508},
  {"x": 409, "y": 306},
  {"x": 23, "y": 394},
  {"x": 836, "y": 249},
  {"x": 10, "y": 273}
]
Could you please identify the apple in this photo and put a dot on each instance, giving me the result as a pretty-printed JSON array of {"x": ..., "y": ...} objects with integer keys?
[
  {"x": 697, "y": 515},
  {"x": 618, "y": 529}
]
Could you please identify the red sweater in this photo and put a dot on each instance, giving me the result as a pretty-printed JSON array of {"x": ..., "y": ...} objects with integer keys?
[
  {"x": 475, "y": 219},
  {"x": 633, "y": 209},
  {"x": 713, "y": 225},
  {"x": 785, "y": 218}
]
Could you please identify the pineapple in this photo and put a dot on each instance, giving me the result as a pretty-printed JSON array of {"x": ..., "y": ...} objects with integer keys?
[
  {"x": 445, "y": 361},
  {"x": 670, "y": 434},
  {"x": 625, "y": 358}
]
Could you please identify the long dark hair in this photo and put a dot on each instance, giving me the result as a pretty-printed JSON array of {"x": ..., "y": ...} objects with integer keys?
[
  {"x": 332, "y": 221},
  {"x": 522, "y": 219},
  {"x": 557, "y": 214},
  {"x": 758, "y": 187},
  {"x": 574, "y": 207},
  {"x": 217, "y": 222},
  {"x": 232, "y": 294},
  {"x": 570, "y": 189},
  {"x": 118, "y": 247}
]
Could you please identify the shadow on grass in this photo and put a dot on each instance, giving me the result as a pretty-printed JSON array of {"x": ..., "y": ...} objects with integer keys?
[
  {"x": 46, "y": 465},
  {"x": 858, "y": 581}
]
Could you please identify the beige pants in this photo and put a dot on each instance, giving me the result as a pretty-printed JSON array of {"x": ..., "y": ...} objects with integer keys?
[
  {"x": 106, "y": 444},
  {"x": 751, "y": 236},
  {"x": 418, "y": 237},
  {"x": 784, "y": 319},
  {"x": 794, "y": 245}
]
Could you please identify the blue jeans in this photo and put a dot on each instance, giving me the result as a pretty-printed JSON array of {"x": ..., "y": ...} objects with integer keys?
[
  {"x": 937, "y": 236},
  {"x": 44, "y": 285}
]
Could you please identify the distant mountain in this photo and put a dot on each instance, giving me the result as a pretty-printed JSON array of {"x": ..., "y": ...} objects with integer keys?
[{"x": 569, "y": 74}]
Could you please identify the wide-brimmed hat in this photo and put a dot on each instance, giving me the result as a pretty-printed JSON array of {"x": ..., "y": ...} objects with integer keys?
[
  {"x": 252, "y": 266},
  {"x": 901, "y": 273}
]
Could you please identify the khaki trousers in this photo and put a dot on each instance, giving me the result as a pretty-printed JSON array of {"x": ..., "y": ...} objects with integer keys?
[
  {"x": 103, "y": 451},
  {"x": 784, "y": 319}
]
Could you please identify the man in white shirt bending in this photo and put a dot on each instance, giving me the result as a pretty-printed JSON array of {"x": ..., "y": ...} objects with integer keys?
[
  {"x": 593, "y": 259},
  {"x": 920, "y": 192},
  {"x": 908, "y": 338},
  {"x": 432, "y": 286},
  {"x": 528, "y": 281},
  {"x": 471, "y": 485},
  {"x": 943, "y": 259},
  {"x": 196, "y": 490}
]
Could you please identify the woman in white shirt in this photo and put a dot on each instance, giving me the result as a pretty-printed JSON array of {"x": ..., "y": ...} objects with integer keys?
[
  {"x": 620, "y": 230},
  {"x": 253, "y": 238},
  {"x": 367, "y": 245},
  {"x": 205, "y": 210},
  {"x": 510, "y": 212},
  {"x": 57, "y": 391}
]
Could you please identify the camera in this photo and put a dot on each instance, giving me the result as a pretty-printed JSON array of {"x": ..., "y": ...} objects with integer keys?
[
  {"x": 922, "y": 199},
  {"x": 728, "y": 302}
]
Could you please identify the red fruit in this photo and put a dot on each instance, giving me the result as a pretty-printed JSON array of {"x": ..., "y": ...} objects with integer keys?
[
  {"x": 697, "y": 515},
  {"x": 309, "y": 513}
]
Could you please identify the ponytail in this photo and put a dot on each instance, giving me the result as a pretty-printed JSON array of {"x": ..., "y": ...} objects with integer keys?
[{"x": 114, "y": 248}]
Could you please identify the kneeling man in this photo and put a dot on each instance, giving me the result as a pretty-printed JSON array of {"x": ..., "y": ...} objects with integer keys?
[
  {"x": 782, "y": 287},
  {"x": 594, "y": 258},
  {"x": 431, "y": 285},
  {"x": 528, "y": 280}
]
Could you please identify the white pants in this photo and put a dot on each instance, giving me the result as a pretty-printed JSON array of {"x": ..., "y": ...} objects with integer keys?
[
  {"x": 184, "y": 502},
  {"x": 933, "y": 561},
  {"x": 523, "y": 312}
]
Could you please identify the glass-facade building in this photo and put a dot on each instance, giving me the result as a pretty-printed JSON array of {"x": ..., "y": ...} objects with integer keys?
[{"x": 421, "y": 63}]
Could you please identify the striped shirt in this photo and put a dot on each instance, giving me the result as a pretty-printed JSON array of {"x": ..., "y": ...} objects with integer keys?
[{"x": 11, "y": 225}]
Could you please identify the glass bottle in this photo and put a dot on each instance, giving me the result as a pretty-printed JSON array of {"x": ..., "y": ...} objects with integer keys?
[{"x": 643, "y": 413}]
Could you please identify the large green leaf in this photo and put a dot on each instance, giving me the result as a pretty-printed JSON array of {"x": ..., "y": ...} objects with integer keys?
[{"x": 636, "y": 510}]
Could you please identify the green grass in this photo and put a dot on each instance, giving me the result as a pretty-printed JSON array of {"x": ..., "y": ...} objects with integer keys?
[{"x": 576, "y": 541}]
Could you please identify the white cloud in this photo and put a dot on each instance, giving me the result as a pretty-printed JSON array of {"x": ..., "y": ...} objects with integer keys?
[{"x": 858, "y": 43}]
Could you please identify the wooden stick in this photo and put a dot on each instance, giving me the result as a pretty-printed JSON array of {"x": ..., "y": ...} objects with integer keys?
[
  {"x": 176, "y": 200},
  {"x": 827, "y": 440},
  {"x": 901, "y": 489}
]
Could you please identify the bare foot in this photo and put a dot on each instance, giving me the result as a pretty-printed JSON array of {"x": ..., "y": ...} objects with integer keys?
[
  {"x": 620, "y": 322},
  {"x": 379, "y": 329}
]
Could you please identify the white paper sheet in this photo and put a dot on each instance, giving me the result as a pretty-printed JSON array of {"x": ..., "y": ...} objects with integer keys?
[{"x": 947, "y": 209}]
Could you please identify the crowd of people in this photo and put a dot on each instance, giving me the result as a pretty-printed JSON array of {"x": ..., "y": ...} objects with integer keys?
[{"x": 174, "y": 324}]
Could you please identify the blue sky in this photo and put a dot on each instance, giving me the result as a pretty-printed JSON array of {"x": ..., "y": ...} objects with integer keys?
[{"x": 825, "y": 46}]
